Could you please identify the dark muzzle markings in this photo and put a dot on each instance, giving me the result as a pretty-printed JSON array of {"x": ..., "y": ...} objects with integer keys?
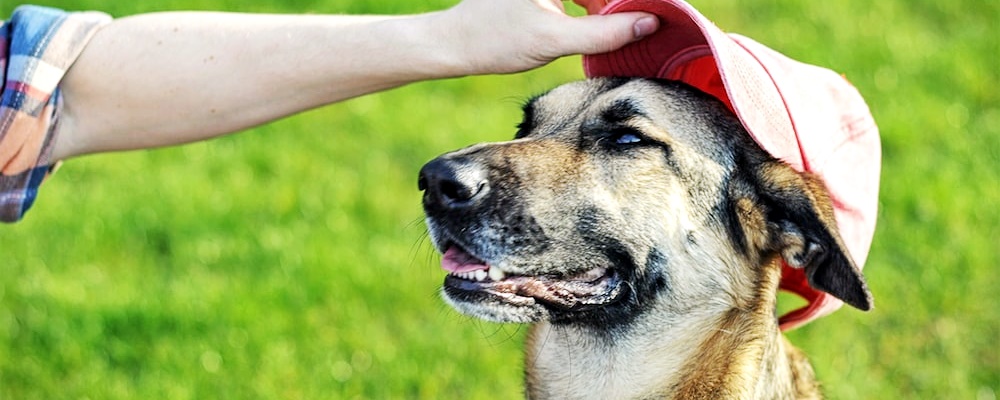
[{"x": 494, "y": 248}]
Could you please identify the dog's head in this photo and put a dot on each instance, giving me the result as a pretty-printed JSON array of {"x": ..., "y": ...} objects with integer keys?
[{"x": 618, "y": 195}]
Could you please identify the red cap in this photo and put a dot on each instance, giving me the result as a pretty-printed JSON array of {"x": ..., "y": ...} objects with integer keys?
[{"x": 807, "y": 116}]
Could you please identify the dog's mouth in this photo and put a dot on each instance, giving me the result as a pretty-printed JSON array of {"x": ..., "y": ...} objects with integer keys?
[{"x": 471, "y": 278}]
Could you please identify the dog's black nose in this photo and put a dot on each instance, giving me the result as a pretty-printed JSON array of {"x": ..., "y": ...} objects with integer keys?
[{"x": 452, "y": 183}]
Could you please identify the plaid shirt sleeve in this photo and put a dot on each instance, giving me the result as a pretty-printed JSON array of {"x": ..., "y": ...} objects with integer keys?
[{"x": 37, "y": 46}]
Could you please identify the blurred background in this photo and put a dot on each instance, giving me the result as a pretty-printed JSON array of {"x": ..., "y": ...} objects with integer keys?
[{"x": 291, "y": 261}]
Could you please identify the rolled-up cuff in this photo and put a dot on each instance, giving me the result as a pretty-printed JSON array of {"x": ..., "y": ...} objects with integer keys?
[{"x": 37, "y": 47}]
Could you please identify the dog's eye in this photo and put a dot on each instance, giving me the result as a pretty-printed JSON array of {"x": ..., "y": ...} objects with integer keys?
[{"x": 627, "y": 138}]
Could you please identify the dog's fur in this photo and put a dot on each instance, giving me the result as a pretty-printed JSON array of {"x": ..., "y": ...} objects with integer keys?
[{"x": 641, "y": 230}]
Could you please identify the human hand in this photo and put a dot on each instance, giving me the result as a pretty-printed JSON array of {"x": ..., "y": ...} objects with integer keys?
[{"x": 505, "y": 36}]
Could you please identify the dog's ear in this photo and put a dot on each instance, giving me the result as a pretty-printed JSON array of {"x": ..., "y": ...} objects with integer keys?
[{"x": 801, "y": 227}]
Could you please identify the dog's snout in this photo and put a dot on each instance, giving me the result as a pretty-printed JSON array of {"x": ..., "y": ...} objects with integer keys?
[{"x": 452, "y": 183}]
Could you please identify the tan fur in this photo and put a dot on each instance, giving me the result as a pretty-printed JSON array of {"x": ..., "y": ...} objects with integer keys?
[{"x": 746, "y": 357}]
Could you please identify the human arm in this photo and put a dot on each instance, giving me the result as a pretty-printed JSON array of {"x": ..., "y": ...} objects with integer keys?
[{"x": 169, "y": 78}]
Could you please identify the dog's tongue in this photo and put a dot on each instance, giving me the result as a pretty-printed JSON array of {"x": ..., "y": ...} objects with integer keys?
[{"x": 456, "y": 260}]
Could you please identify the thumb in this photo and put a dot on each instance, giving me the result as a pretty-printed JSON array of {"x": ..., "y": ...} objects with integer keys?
[{"x": 597, "y": 34}]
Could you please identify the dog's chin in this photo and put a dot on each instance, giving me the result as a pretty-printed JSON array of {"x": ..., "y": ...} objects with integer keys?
[{"x": 486, "y": 292}]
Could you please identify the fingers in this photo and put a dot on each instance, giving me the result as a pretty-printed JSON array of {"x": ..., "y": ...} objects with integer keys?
[
  {"x": 504, "y": 36},
  {"x": 603, "y": 33}
]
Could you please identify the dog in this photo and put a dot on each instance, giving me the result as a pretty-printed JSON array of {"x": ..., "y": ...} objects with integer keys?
[{"x": 641, "y": 231}]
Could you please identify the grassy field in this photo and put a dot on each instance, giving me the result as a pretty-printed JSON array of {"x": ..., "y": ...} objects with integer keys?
[{"x": 291, "y": 261}]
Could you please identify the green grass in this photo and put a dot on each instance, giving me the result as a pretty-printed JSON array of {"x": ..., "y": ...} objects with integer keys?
[{"x": 291, "y": 261}]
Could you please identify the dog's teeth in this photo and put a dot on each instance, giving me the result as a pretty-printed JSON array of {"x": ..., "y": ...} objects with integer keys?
[
  {"x": 496, "y": 274},
  {"x": 480, "y": 275}
]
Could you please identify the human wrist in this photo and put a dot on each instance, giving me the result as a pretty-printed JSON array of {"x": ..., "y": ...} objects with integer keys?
[{"x": 424, "y": 48}]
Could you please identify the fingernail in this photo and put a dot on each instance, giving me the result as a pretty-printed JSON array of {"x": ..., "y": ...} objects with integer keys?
[{"x": 645, "y": 26}]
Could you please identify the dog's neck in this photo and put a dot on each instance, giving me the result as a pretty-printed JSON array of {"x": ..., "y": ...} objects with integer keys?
[{"x": 735, "y": 353}]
